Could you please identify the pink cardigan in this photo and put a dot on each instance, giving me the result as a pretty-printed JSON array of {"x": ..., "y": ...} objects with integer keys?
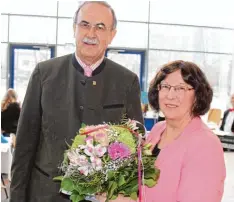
[{"x": 192, "y": 167}]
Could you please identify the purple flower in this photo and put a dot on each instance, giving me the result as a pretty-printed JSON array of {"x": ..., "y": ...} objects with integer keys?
[{"x": 118, "y": 150}]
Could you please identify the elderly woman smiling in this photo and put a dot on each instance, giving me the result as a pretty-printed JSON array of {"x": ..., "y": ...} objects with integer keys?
[{"x": 190, "y": 156}]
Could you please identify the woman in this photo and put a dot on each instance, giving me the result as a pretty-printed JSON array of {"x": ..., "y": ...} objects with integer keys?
[
  {"x": 190, "y": 156},
  {"x": 10, "y": 113}
]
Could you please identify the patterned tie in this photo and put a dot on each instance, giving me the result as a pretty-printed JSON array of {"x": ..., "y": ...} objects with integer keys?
[{"x": 88, "y": 71}]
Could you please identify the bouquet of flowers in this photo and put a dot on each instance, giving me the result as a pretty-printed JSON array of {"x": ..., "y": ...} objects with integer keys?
[{"x": 107, "y": 159}]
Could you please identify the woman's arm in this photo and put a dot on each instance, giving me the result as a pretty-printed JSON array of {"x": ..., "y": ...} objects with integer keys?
[{"x": 203, "y": 172}]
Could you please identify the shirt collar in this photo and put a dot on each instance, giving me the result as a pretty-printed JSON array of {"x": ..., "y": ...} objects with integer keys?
[{"x": 92, "y": 66}]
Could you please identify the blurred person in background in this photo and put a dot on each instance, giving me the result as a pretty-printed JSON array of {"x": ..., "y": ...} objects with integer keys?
[
  {"x": 10, "y": 109},
  {"x": 228, "y": 119}
]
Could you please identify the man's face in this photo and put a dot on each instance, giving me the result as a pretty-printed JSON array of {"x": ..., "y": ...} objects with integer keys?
[{"x": 93, "y": 31}]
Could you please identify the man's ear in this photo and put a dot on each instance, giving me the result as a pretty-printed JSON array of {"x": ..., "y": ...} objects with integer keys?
[{"x": 74, "y": 30}]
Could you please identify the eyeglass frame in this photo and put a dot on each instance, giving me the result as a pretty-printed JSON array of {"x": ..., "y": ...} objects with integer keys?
[
  {"x": 186, "y": 88},
  {"x": 95, "y": 26}
]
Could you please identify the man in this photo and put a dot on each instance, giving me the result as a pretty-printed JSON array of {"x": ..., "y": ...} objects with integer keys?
[
  {"x": 228, "y": 119},
  {"x": 64, "y": 92}
]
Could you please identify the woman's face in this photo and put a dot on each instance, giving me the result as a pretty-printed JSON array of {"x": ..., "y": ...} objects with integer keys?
[{"x": 176, "y": 97}]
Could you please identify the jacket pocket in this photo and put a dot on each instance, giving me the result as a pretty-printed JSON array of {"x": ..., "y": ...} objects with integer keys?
[
  {"x": 42, "y": 171},
  {"x": 113, "y": 106}
]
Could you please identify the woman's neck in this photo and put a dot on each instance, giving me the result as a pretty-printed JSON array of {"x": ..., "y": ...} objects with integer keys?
[{"x": 175, "y": 127}]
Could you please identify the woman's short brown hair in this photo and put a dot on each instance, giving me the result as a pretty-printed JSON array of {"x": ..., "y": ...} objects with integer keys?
[{"x": 193, "y": 76}]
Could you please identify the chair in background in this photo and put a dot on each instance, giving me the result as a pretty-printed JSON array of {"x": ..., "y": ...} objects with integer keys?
[{"x": 214, "y": 116}]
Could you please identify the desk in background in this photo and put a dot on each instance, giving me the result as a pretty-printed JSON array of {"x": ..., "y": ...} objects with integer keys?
[
  {"x": 6, "y": 158},
  {"x": 226, "y": 139}
]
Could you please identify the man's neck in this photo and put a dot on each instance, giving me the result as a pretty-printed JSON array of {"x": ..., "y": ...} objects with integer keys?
[{"x": 89, "y": 60}]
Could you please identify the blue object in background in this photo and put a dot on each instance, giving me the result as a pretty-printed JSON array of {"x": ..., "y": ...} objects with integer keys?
[
  {"x": 144, "y": 97},
  {"x": 3, "y": 139},
  {"x": 149, "y": 123}
]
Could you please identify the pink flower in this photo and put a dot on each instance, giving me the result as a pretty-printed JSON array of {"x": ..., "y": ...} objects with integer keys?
[
  {"x": 118, "y": 150},
  {"x": 102, "y": 138},
  {"x": 89, "y": 140}
]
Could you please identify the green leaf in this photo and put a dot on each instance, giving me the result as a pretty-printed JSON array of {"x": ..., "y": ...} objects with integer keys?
[
  {"x": 131, "y": 187},
  {"x": 150, "y": 173},
  {"x": 134, "y": 196},
  {"x": 79, "y": 140},
  {"x": 114, "y": 197},
  {"x": 150, "y": 182},
  {"x": 111, "y": 175},
  {"x": 111, "y": 188},
  {"x": 121, "y": 180},
  {"x": 58, "y": 178},
  {"x": 126, "y": 137},
  {"x": 83, "y": 125},
  {"x": 67, "y": 184},
  {"x": 65, "y": 158},
  {"x": 76, "y": 198}
]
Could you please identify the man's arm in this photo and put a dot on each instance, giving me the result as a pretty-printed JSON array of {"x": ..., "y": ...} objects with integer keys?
[
  {"x": 28, "y": 133},
  {"x": 134, "y": 102}
]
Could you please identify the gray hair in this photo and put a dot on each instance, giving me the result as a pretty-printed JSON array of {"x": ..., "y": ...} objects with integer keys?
[{"x": 104, "y": 3}]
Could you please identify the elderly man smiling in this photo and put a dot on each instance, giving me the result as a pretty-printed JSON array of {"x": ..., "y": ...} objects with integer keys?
[{"x": 84, "y": 87}]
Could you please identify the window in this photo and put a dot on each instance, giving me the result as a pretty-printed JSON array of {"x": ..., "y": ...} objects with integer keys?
[
  {"x": 48, "y": 8},
  {"x": 191, "y": 38},
  {"x": 131, "y": 10},
  {"x": 67, "y": 8},
  {"x": 131, "y": 35},
  {"x": 215, "y": 66},
  {"x": 32, "y": 29},
  {"x": 65, "y": 31},
  {"x": 66, "y": 49},
  {"x": 4, "y": 28},
  {"x": 211, "y": 13},
  {"x": 4, "y": 67}
]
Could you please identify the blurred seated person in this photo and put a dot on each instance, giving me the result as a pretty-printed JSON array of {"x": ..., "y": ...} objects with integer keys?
[
  {"x": 144, "y": 108},
  {"x": 228, "y": 119},
  {"x": 10, "y": 113}
]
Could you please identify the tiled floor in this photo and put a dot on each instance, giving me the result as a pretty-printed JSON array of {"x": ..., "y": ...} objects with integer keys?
[{"x": 229, "y": 183}]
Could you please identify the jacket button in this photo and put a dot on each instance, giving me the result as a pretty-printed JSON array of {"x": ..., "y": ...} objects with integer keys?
[{"x": 81, "y": 107}]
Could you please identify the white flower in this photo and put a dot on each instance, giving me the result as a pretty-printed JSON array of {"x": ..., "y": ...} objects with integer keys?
[
  {"x": 76, "y": 159},
  {"x": 95, "y": 151},
  {"x": 96, "y": 163},
  {"x": 85, "y": 170}
]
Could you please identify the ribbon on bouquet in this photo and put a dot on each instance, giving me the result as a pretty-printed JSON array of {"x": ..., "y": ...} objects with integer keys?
[{"x": 140, "y": 164}]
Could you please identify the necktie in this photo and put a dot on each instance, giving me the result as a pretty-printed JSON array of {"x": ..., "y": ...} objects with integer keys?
[
  {"x": 88, "y": 71},
  {"x": 231, "y": 110}
]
